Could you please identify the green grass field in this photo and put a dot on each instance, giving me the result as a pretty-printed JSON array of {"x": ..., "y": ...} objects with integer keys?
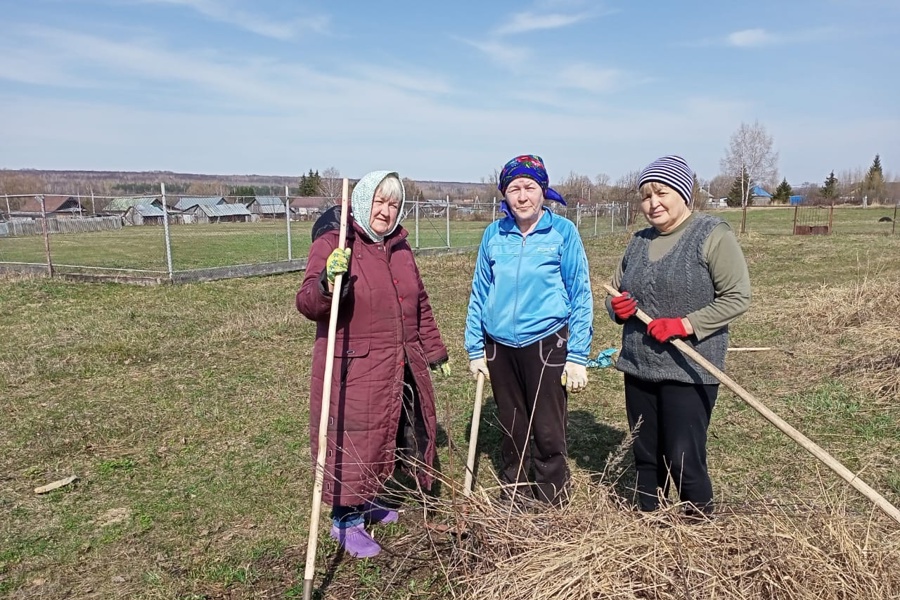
[
  {"x": 183, "y": 409},
  {"x": 219, "y": 245}
]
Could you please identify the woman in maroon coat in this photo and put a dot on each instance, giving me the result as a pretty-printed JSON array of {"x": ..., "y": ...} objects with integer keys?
[{"x": 382, "y": 400}]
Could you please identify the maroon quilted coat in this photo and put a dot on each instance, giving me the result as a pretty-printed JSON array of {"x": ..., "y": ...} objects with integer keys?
[{"x": 384, "y": 321}]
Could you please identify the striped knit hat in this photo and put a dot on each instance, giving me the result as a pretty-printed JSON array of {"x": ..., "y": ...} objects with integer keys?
[{"x": 672, "y": 171}]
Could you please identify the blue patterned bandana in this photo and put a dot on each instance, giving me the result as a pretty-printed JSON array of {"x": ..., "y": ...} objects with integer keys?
[{"x": 532, "y": 167}]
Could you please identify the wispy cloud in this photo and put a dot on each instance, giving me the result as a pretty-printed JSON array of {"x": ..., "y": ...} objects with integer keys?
[
  {"x": 224, "y": 11},
  {"x": 500, "y": 53},
  {"x": 528, "y": 21},
  {"x": 406, "y": 78},
  {"x": 758, "y": 37},
  {"x": 591, "y": 78}
]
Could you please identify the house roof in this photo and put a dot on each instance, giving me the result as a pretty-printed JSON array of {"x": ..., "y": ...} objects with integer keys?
[
  {"x": 52, "y": 204},
  {"x": 191, "y": 201},
  {"x": 222, "y": 210},
  {"x": 123, "y": 204},
  {"x": 268, "y": 201},
  {"x": 269, "y": 209},
  {"x": 759, "y": 192},
  {"x": 311, "y": 202},
  {"x": 147, "y": 210}
]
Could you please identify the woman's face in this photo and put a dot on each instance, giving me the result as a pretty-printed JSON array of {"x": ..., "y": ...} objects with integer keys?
[
  {"x": 663, "y": 207},
  {"x": 526, "y": 199},
  {"x": 384, "y": 213}
]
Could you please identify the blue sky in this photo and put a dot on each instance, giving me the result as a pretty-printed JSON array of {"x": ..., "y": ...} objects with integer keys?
[{"x": 445, "y": 90}]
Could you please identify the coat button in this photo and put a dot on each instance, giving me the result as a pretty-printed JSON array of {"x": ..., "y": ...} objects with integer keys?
[{"x": 396, "y": 282}]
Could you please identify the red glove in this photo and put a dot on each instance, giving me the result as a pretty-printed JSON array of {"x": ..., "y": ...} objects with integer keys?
[
  {"x": 664, "y": 330},
  {"x": 624, "y": 306}
]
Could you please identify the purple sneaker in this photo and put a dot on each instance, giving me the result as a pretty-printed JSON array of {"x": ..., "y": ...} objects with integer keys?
[
  {"x": 379, "y": 515},
  {"x": 356, "y": 541}
]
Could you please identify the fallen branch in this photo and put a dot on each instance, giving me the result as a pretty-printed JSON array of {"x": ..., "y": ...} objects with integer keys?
[{"x": 55, "y": 485}]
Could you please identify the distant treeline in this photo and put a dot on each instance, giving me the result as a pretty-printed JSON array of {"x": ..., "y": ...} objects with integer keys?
[{"x": 126, "y": 183}]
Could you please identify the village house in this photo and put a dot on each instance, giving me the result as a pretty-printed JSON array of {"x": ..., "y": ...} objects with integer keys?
[
  {"x": 144, "y": 214},
  {"x": 267, "y": 207},
  {"x": 305, "y": 208},
  {"x": 54, "y": 206},
  {"x": 217, "y": 213}
]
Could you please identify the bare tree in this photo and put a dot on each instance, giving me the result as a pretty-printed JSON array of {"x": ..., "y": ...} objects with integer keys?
[
  {"x": 330, "y": 183},
  {"x": 602, "y": 185},
  {"x": 750, "y": 152},
  {"x": 204, "y": 188},
  {"x": 625, "y": 190},
  {"x": 489, "y": 189},
  {"x": 575, "y": 186},
  {"x": 413, "y": 193}
]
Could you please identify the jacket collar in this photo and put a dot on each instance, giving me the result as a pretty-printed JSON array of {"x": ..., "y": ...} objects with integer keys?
[
  {"x": 392, "y": 239},
  {"x": 508, "y": 224}
]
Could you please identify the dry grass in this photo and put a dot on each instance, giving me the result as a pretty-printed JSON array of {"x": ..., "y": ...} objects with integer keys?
[
  {"x": 857, "y": 329},
  {"x": 183, "y": 411},
  {"x": 597, "y": 548}
]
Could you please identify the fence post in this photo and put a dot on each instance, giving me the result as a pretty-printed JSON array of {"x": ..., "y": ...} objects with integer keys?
[
  {"x": 796, "y": 209},
  {"x": 165, "y": 209},
  {"x": 287, "y": 218},
  {"x": 894, "y": 223},
  {"x": 831, "y": 219},
  {"x": 417, "y": 224},
  {"x": 448, "y": 220},
  {"x": 46, "y": 233},
  {"x": 7, "y": 206},
  {"x": 493, "y": 209}
]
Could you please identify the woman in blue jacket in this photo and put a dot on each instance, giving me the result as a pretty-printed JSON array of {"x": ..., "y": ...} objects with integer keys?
[{"x": 529, "y": 329}]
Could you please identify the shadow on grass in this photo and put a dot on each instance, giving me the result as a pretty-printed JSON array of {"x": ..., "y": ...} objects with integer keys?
[{"x": 594, "y": 446}]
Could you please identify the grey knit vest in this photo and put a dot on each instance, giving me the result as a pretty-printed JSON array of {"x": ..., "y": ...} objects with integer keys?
[{"x": 673, "y": 286}]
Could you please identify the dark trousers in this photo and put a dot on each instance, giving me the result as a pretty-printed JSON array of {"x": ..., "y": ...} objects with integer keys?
[
  {"x": 412, "y": 437},
  {"x": 671, "y": 440},
  {"x": 531, "y": 404}
]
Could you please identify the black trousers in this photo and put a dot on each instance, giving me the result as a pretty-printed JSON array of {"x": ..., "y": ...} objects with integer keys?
[
  {"x": 531, "y": 404},
  {"x": 671, "y": 441},
  {"x": 412, "y": 436}
]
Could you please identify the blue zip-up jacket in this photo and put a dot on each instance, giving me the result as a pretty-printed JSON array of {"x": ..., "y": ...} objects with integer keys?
[{"x": 527, "y": 287}]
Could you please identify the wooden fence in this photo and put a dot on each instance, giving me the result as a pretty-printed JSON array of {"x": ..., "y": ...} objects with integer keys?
[{"x": 74, "y": 225}]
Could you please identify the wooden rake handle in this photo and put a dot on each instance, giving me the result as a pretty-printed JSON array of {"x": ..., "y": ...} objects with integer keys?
[
  {"x": 326, "y": 406},
  {"x": 813, "y": 448},
  {"x": 473, "y": 436}
]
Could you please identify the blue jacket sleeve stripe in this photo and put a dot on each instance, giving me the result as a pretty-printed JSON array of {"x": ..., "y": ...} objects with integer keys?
[
  {"x": 481, "y": 282},
  {"x": 576, "y": 277}
]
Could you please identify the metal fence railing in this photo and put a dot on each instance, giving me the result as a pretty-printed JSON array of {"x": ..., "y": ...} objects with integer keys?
[
  {"x": 187, "y": 238},
  {"x": 177, "y": 238}
]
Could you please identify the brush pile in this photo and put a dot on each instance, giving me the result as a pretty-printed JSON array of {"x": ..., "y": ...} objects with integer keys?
[{"x": 596, "y": 547}]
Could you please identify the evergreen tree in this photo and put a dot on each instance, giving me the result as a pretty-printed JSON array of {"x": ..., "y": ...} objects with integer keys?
[
  {"x": 783, "y": 192},
  {"x": 873, "y": 184},
  {"x": 310, "y": 184},
  {"x": 736, "y": 193},
  {"x": 829, "y": 190}
]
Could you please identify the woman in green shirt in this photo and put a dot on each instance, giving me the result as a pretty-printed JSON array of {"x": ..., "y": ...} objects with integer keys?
[{"x": 686, "y": 271}]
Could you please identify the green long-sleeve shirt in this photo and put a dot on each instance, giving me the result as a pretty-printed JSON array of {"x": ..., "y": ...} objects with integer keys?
[{"x": 728, "y": 270}]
